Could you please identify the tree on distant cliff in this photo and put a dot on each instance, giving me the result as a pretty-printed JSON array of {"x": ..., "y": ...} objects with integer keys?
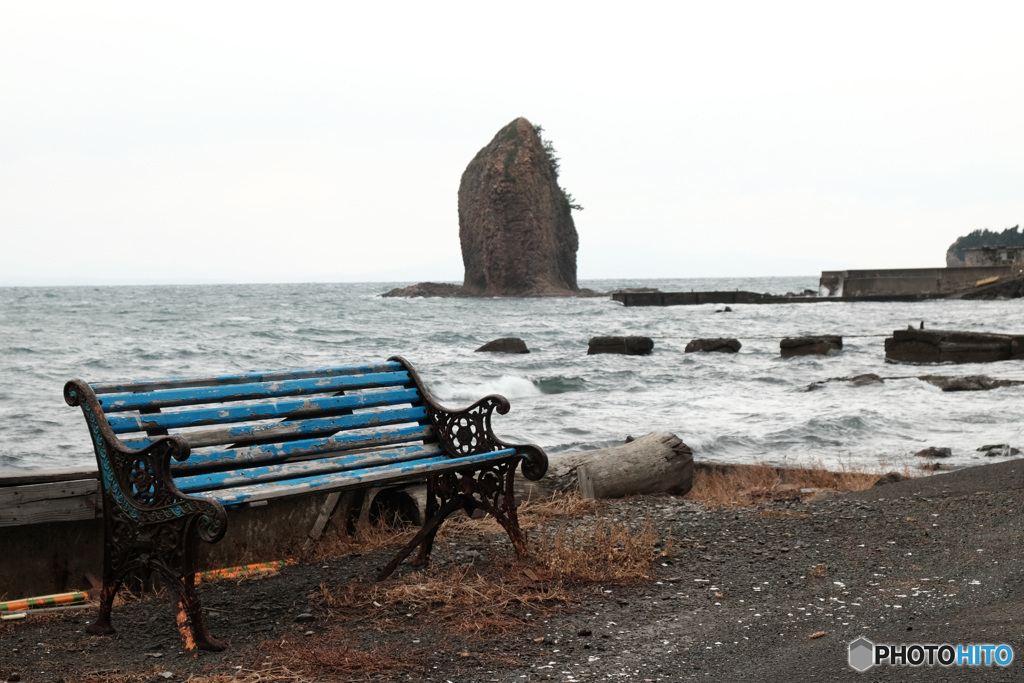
[{"x": 1011, "y": 237}]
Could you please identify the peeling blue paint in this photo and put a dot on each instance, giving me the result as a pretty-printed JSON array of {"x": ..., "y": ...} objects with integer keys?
[
  {"x": 268, "y": 453},
  {"x": 308, "y": 428},
  {"x": 124, "y": 424},
  {"x": 173, "y": 397},
  {"x": 140, "y": 385},
  {"x": 415, "y": 469},
  {"x": 304, "y": 468}
]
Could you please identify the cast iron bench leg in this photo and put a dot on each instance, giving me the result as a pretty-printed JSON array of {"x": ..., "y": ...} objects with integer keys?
[
  {"x": 468, "y": 492},
  {"x": 425, "y": 536},
  {"x": 189, "y": 605},
  {"x": 102, "y": 626}
]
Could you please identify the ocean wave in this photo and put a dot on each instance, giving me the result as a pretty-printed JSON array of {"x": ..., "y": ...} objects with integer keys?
[
  {"x": 15, "y": 350},
  {"x": 560, "y": 384},
  {"x": 507, "y": 385}
]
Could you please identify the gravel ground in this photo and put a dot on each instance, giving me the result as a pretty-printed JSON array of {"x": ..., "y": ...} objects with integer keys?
[{"x": 774, "y": 592}]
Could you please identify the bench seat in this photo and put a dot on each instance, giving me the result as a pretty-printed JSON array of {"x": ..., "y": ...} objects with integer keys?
[
  {"x": 174, "y": 453},
  {"x": 402, "y": 472}
]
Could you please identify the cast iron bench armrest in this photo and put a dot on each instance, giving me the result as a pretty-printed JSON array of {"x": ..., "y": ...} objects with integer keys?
[
  {"x": 140, "y": 480},
  {"x": 468, "y": 431}
]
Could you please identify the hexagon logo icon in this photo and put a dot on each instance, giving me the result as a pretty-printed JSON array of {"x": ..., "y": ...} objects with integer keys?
[{"x": 862, "y": 654}]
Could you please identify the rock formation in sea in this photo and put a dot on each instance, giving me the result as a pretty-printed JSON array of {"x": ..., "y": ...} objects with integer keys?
[{"x": 515, "y": 221}]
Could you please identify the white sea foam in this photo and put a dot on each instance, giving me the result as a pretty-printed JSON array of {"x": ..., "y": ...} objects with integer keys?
[{"x": 507, "y": 385}]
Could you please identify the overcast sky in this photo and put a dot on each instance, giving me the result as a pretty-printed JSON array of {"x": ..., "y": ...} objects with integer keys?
[{"x": 301, "y": 141}]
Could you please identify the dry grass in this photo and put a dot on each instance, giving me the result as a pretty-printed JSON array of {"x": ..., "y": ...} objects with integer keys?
[
  {"x": 333, "y": 657},
  {"x": 746, "y": 485},
  {"x": 441, "y": 594},
  {"x": 365, "y": 538},
  {"x": 568, "y": 505},
  {"x": 606, "y": 554},
  {"x": 487, "y": 598},
  {"x": 532, "y": 515},
  {"x": 137, "y": 593}
]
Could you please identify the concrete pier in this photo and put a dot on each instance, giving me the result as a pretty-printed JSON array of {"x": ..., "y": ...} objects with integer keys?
[
  {"x": 925, "y": 283},
  {"x": 901, "y": 284}
]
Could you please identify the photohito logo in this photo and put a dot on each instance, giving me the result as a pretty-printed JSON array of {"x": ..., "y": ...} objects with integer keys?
[{"x": 864, "y": 654}]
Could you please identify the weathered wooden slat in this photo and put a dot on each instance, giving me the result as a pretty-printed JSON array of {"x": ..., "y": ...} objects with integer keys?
[
  {"x": 288, "y": 409},
  {"x": 289, "y": 431},
  {"x": 50, "y": 502},
  {"x": 23, "y": 478},
  {"x": 17, "y": 495},
  {"x": 291, "y": 450},
  {"x": 326, "y": 511},
  {"x": 146, "y": 385},
  {"x": 304, "y": 468},
  {"x": 60, "y": 510},
  {"x": 170, "y": 398},
  {"x": 391, "y": 474}
]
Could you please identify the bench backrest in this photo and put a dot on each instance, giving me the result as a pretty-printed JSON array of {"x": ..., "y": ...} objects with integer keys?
[{"x": 335, "y": 418}]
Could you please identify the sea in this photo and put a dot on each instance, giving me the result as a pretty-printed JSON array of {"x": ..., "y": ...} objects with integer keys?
[{"x": 748, "y": 407}]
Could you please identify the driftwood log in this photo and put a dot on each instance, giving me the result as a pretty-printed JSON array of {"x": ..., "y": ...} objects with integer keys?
[{"x": 658, "y": 462}]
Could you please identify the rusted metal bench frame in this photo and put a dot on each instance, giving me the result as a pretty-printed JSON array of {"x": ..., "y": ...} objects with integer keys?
[{"x": 152, "y": 526}]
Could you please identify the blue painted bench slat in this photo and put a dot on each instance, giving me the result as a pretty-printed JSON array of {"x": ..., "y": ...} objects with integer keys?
[
  {"x": 411, "y": 470},
  {"x": 141, "y": 385},
  {"x": 174, "y": 452},
  {"x": 200, "y": 483},
  {"x": 122, "y": 424},
  {"x": 268, "y": 453},
  {"x": 171, "y": 398},
  {"x": 292, "y": 429}
]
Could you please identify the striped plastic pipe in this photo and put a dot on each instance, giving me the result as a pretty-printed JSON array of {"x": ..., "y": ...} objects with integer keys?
[{"x": 44, "y": 601}]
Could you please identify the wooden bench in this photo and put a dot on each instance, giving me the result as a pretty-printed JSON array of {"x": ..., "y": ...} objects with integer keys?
[{"x": 174, "y": 453}]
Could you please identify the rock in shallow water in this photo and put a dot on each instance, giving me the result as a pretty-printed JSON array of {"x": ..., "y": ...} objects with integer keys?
[
  {"x": 629, "y": 346},
  {"x": 968, "y": 382},
  {"x": 818, "y": 345},
  {"x": 505, "y": 345},
  {"x": 934, "y": 452},
  {"x": 721, "y": 345},
  {"x": 947, "y": 346},
  {"x": 427, "y": 289},
  {"x": 1000, "y": 449}
]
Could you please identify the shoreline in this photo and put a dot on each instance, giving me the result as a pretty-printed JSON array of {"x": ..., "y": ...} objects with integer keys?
[
  {"x": 760, "y": 592},
  {"x": 53, "y": 528}
]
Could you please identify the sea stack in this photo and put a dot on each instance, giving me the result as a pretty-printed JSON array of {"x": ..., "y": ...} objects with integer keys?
[{"x": 515, "y": 221}]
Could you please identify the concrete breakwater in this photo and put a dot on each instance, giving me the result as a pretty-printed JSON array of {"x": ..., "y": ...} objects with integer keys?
[
  {"x": 738, "y": 297},
  {"x": 913, "y": 282},
  {"x": 902, "y": 284}
]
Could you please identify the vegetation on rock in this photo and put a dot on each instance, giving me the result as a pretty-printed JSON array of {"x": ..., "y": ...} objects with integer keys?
[
  {"x": 1011, "y": 237},
  {"x": 555, "y": 162}
]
